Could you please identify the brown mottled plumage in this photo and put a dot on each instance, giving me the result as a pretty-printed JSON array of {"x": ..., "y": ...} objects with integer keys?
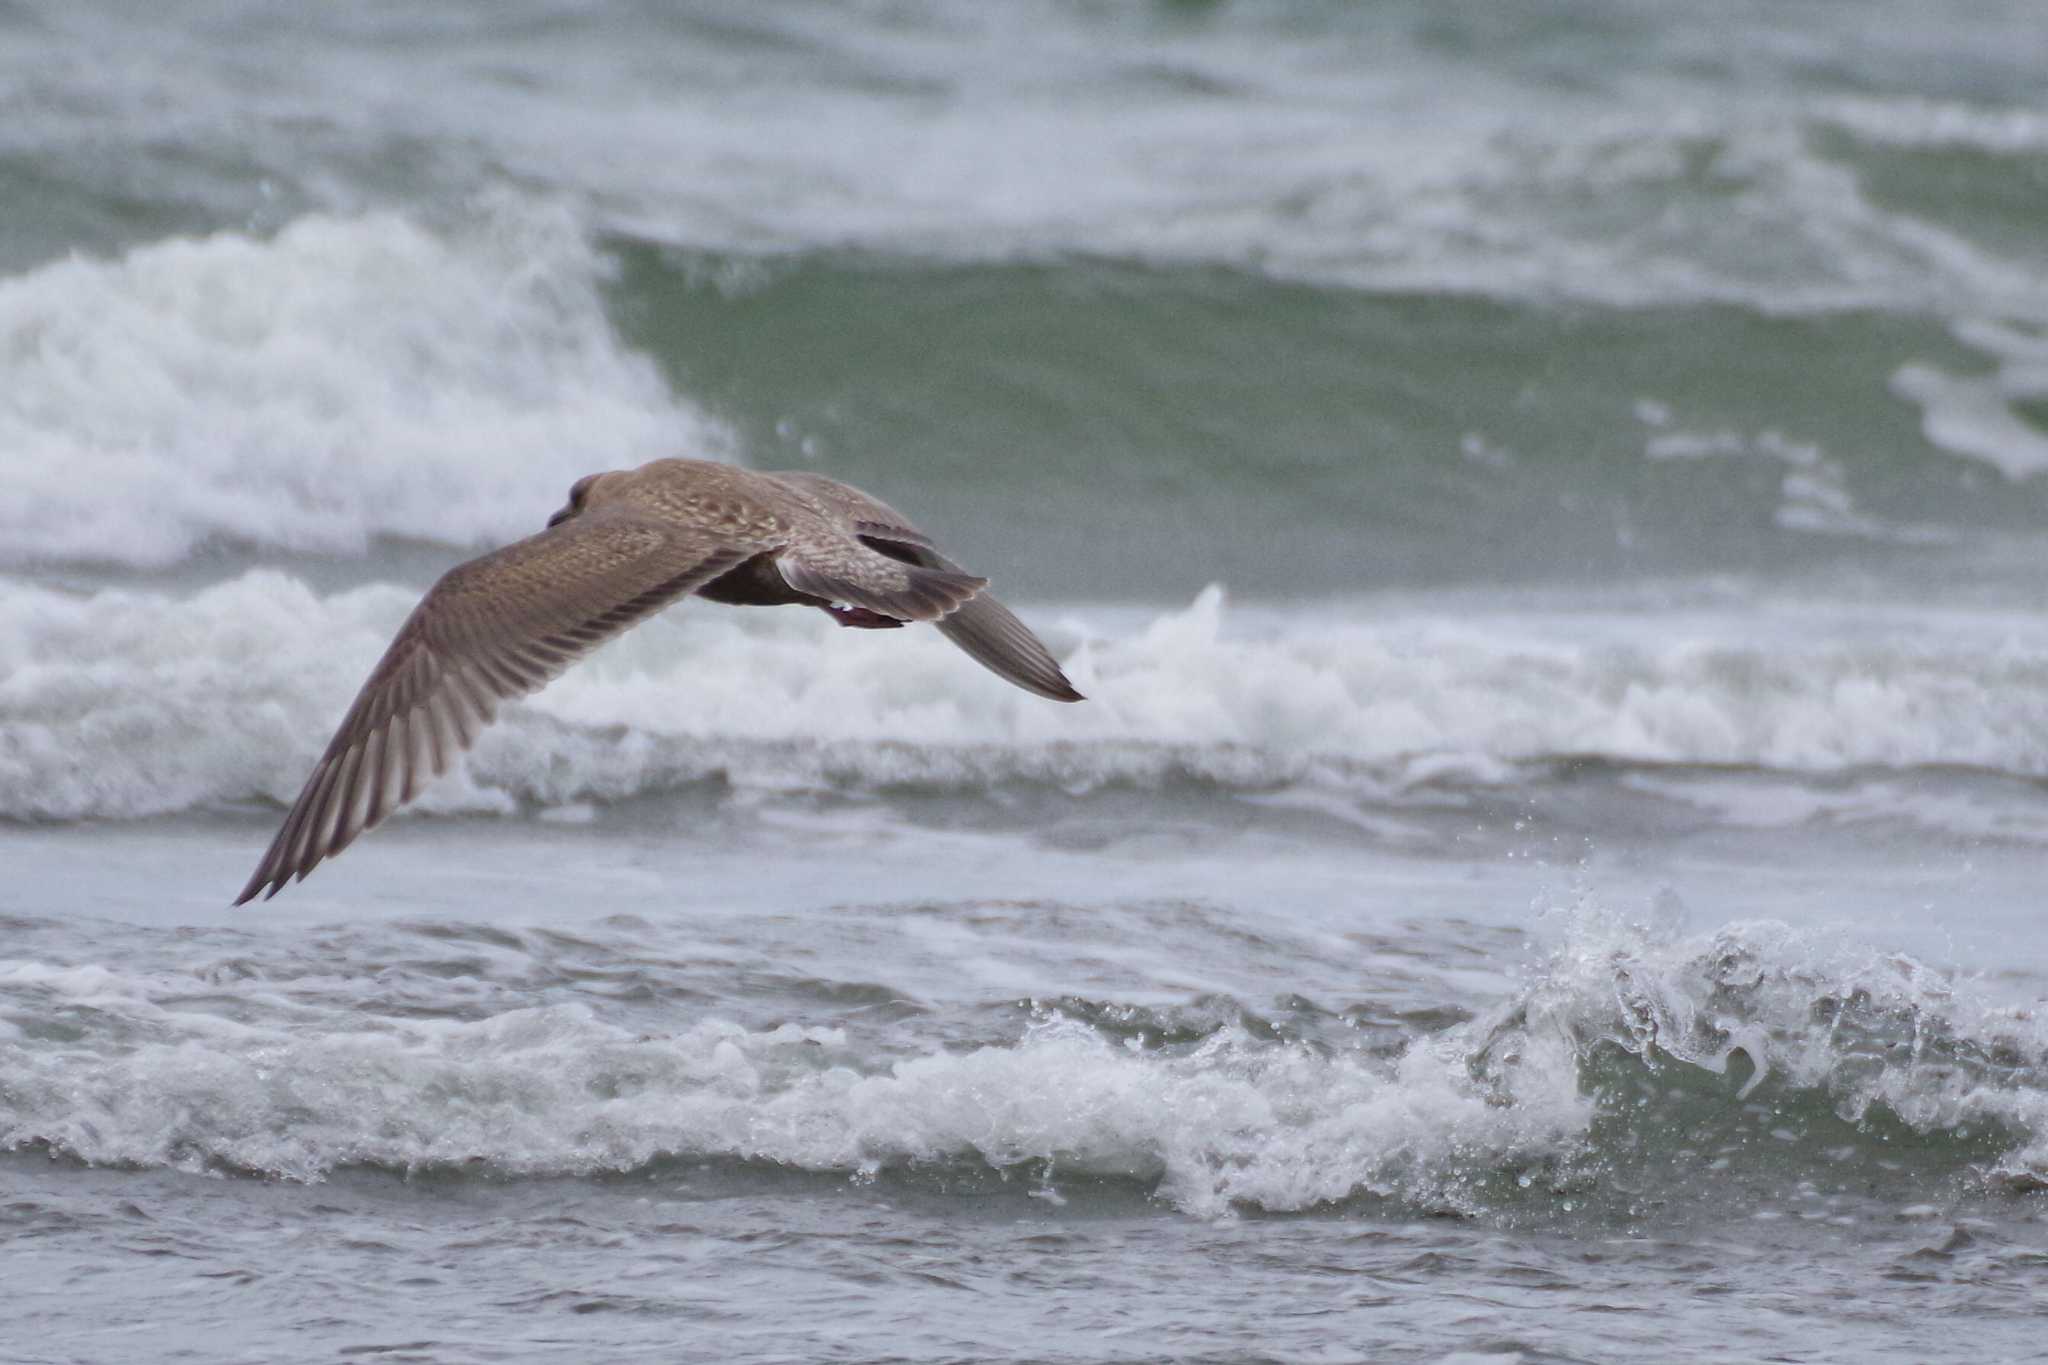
[{"x": 629, "y": 543}]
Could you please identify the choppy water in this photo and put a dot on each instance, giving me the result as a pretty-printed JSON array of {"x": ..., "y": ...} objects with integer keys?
[{"x": 1545, "y": 507}]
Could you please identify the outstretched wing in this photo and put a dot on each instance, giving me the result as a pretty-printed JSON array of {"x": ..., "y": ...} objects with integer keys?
[
  {"x": 841, "y": 569},
  {"x": 990, "y": 634},
  {"x": 863, "y": 515},
  {"x": 983, "y": 628},
  {"x": 495, "y": 628}
]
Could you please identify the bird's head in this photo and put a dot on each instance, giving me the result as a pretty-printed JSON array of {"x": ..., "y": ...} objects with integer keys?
[{"x": 579, "y": 497}]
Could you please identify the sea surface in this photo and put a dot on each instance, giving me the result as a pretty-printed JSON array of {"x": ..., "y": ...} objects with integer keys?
[{"x": 1546, "y": 503}]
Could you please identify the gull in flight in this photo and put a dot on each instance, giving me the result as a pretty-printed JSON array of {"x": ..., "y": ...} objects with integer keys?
[{"x": 629, "y": 543}]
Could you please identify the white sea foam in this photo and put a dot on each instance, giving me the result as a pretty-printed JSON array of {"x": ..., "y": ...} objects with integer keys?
[
  {"x": 344, "y": 379},
  {"x": 1925, "y": 123},
  {"x": 1350, "y": 188},
  {"x": 1345, "y": 149},
  {"x": 1808, "y": 1012},
  {"x": 556, "y": 1090},
  {"x": 1813, "y": 491},
  {"x": 125, "y": 704},
  {"x": 1981, "y": 417},
  {"x": 145, "y": 1072}
]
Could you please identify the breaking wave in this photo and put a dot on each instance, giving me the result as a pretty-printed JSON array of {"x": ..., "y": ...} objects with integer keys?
[
  {"x": 128, "y": 704},
  {"x": 346, "y": 379},
  {"x": 1629, "y": 1056}
]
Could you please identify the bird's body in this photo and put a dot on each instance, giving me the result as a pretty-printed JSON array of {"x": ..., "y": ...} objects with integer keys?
[{"x": 628, "y": 543}]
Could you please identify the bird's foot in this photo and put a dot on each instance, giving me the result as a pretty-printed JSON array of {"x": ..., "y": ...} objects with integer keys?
[{"x": 860, "y": 617}]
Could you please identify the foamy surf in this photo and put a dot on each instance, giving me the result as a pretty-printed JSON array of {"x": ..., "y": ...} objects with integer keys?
[
  {"x": 1759, "y": 1032},
  {"x": 123, "y": 704},
  {"x": 344, "y": 379}
]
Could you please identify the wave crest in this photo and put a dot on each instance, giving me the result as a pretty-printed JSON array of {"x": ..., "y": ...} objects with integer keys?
[
  {"x": 1852, "y": 1053},
  {"x": 127, "y": 704},
  {"x": 345, "y": 379}
]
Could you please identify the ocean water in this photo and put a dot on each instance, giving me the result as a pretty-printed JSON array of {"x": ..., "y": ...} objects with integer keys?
[{"x": 1545, "y": 503}]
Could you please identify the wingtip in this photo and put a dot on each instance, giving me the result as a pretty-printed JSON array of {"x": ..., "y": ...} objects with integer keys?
[
  {"x": 1052, "y": 688},
  {"x": 254, "y": 889},
  {"x": 1059, "y": 689}
]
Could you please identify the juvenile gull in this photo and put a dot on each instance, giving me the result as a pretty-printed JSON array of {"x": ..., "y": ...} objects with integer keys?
[{"x": 629, "y": 543}]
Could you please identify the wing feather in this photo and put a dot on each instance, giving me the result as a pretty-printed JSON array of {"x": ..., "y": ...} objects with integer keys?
[
  {"x": 493, "y": 629},
  {"x": 983, "y": 628},
  {"x": 854, "y": 573},
  {"x": 844, "y": 568},
  {"x": 990, "y": 634},
  {"x": 866, "y": 514}
]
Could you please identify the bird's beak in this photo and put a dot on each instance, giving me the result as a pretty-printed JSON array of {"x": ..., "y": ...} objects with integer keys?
[{"x": 558, "y": 518}]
